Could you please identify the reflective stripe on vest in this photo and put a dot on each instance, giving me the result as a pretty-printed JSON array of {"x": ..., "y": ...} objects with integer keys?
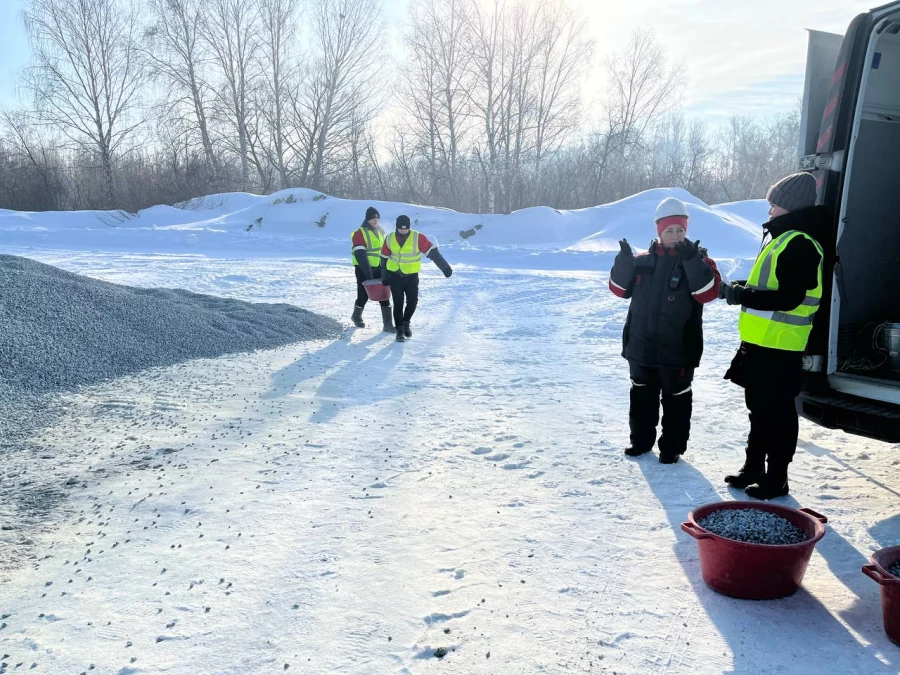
[
  {"x": 406, "y": 258},
  {"x": 788, "y": 330},
  {"x": 373, "y": 246}
]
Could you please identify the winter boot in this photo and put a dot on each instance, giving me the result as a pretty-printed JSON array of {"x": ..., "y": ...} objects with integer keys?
[
  {"x": 406, "y": 331},
  {"x": 386, "y": 318},
  {"x": 773, "y": 483},
  {"x": 669, "y": 457},
  {"x": 400, "y": 336},
  {"x": 632, "y": 451},
  {"x": 356, "y": 317},
  {"x": 754, "y": 468}
]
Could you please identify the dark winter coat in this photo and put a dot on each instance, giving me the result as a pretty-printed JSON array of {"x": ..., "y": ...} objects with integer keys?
[
  {"x": 664, "y": 328},
  {"x": 797, "y": 272},
  {"x": 798, "y": 265}
]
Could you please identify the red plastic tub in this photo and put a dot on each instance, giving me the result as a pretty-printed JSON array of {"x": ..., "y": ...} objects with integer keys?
[
  {"x": 754, "y": 571},
  {"x": 882, "y": 561},
  {"x": 376, "y": 291}
]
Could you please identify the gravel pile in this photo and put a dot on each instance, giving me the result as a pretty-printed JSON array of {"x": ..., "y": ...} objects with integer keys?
[
  {"x": 895, "y": 569},
  {"x": 59, "y": 331},
  {"x": 754, "y": 526}
]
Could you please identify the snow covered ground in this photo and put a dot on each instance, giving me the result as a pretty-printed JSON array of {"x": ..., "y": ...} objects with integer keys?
[{"x": 353, "y": 506}]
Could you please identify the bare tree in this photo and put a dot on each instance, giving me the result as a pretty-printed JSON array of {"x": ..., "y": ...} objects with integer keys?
[
  {"x": 643, "y": 88},
  {"x": 86, "y": 74},
  {"x": 180, "y": 57},
  {"x": 526, "y": 61},
  {"x": 486, "y": 96},
  {"x": 565, "y": 53},
  {"x": 231, "y": 30},
  {"x": 340, "y": 84},
  {"x": 435, "y": 83},
  {"x": 278, "y": 18}
]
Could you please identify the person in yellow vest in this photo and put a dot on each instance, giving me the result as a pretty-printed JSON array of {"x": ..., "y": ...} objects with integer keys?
[
  {"x": 366, "y": 243},
  {"x": 401, "y": 257},
  {"x": 778, "y": 303}
]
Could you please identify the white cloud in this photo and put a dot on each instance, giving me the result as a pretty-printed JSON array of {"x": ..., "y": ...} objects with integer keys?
[{"x": 729, "y": 48}]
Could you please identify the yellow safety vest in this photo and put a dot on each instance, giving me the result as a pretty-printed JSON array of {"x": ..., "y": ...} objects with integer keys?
[
  {"x": 374, "y": 241},
  {"x": 408, "y": 258},
  {"x": 779, "y": 330}
]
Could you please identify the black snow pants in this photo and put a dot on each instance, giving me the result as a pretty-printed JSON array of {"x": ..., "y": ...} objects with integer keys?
[
  {"x": 647, "y": 384},
  {"x": 361, "y": 296},
  {"x": 771, "y": 379},
  {"x": 407, "y": 286}
]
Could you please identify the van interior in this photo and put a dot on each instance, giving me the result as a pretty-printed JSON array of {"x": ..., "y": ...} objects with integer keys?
[{"x": 864, "y": 355}]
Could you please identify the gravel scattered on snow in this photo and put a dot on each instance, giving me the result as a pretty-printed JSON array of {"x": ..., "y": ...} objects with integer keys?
[{"x": 753, "y": 526}]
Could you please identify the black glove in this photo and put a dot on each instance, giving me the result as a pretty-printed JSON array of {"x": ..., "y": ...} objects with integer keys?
[
  {"x": 687, "y": 249},
  {"x": 441, "y": 263},
  {"x": 625, "y": 248},
  {"x": 385, "y": 277},
  {"x": 731, "y": 293}
]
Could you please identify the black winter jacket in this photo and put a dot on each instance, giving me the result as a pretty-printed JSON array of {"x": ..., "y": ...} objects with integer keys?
[
  {"x": 798, "y": 265},
  {"x": 797, "y": 273},
  {"x": 664, "y": 328}
]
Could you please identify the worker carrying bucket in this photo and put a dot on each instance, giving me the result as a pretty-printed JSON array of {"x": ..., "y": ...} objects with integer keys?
[
  {"x": 367, "y": 241},
  {"x": 401, "y": 257},
  {"x": 663, "y": 336}
]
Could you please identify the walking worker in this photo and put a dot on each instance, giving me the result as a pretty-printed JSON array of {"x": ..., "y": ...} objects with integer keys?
[
  {"x": 401, "y": 257},
  {"x": 367, "y": 241},
  {"x": 663, "y": 336},
  {"x": 778, "y": 303}
]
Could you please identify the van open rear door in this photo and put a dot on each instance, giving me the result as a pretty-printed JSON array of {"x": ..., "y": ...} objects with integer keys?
[
  {"x": 827, "y": 125},
  {"x": 821, "y": 56}
]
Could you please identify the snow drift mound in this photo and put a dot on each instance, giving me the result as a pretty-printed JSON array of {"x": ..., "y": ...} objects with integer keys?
[
  {"x": 62, "y": 330},
  {"x": 297, "y": 221}
]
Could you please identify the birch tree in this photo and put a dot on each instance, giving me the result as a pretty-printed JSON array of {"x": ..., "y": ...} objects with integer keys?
[
  {"x": 86, "y": 75},
  {"x": 180, "y": 57}
]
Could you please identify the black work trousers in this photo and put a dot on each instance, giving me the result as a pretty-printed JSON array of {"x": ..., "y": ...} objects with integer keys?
[
  {"x": 647, "y": 384},
  {"x": 771, "y": 379},
  {"x": 774, "y": 425},
  {"x": 404, "y": 288},
  {"x": 361, "y": 297}
]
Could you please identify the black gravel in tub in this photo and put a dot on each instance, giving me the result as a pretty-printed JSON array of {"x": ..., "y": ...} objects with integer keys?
[
  {"x": 753, "y": 526},
  {"x": 895, "y": 569}
]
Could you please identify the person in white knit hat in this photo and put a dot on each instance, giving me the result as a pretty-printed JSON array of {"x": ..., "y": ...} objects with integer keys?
[{"x": 663, "y": 336}]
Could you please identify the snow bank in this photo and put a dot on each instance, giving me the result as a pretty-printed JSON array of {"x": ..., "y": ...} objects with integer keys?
[{"x": 300, "y": 222}]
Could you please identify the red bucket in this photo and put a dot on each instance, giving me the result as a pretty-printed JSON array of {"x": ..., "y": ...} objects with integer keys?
[
  {"x": 754, "y": 571},
  {"x": 882, "y": 561},
  {"x": 376, "y": 290}
]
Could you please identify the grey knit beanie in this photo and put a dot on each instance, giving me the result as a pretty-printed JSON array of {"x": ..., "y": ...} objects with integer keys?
[{"x": 794, "y": 192}]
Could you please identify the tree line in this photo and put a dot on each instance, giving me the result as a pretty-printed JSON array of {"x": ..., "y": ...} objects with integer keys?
[{"x": 131, "y": 104}]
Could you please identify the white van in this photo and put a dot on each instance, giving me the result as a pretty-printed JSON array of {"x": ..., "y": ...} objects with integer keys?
[{"x": 850, "y": 138}]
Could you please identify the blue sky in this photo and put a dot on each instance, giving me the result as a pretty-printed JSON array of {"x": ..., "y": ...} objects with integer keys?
[
  {"x": 14, "y": 51},
  {"x": 739, "y": 56}
]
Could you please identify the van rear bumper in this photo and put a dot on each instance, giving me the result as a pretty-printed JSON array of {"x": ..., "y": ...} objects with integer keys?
[{"x": 863, "y": 417}]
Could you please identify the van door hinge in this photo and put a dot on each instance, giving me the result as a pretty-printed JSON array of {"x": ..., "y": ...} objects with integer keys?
[{"x": 825, "y": 161}]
